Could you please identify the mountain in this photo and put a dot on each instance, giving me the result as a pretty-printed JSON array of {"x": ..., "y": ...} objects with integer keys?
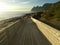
[
  {"x": 42, "y": 8},
  {"x": 50, "y": 10},
  {"x": 53, "y": 12}
]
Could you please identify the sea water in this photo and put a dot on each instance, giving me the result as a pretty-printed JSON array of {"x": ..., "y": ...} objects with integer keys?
[{"x": 11, "y": 14}]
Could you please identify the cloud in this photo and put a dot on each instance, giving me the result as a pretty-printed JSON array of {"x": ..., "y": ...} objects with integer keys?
[
  {"x": 17, "y": 4},
  {"x": 26, "y": 2},
  {"x": 13, "y": 1}
]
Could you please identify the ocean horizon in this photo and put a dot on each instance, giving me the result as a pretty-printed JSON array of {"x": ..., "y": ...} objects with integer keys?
[{"x": 11, "y": 14}]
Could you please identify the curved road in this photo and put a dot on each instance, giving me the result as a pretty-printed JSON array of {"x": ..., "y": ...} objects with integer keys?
[{"x": 29, "y": 34}]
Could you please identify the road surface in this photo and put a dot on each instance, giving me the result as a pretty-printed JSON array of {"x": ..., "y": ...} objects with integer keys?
[{"x": 29, "y": 34}]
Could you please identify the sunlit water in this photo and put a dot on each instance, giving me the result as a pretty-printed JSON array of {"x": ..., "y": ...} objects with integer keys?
[{"x": 9, "y": 14}]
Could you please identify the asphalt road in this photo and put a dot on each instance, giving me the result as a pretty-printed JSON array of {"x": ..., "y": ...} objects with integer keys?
[{"x": 29, "y": 34}]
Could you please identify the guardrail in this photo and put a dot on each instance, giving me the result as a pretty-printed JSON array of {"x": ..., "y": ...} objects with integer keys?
[{"x": 7, "y": 33}]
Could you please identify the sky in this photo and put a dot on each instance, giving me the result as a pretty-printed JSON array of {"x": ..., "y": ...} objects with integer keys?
[{"x": 22, "y": 5}]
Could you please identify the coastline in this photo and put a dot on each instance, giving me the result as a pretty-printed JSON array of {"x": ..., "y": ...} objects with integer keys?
[{"x": 28, "y": 15}]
